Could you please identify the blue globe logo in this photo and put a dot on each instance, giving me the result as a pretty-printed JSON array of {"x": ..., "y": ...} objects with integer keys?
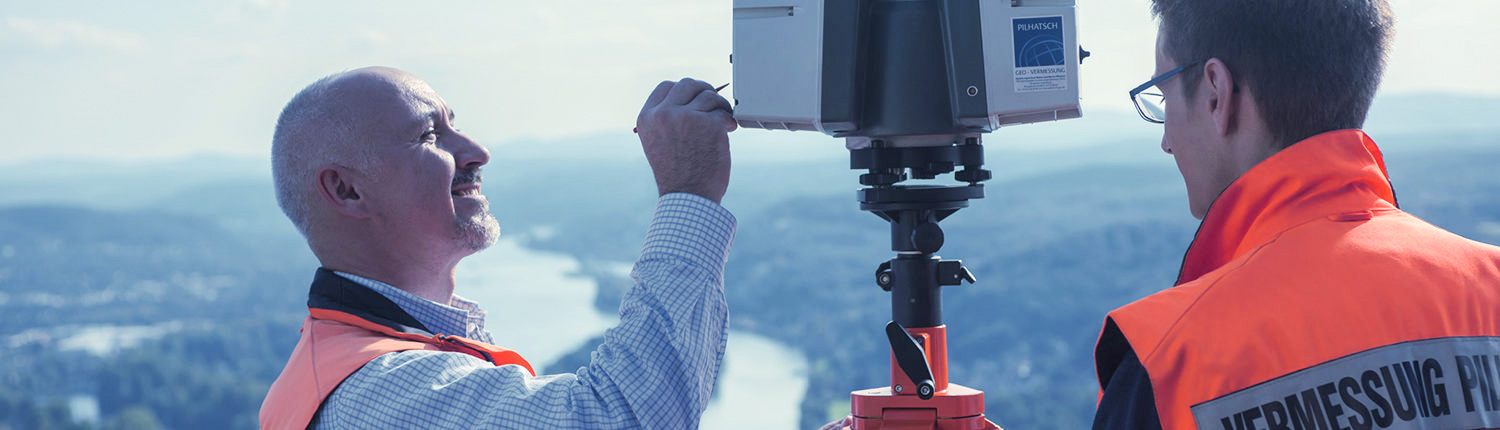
[{"x": 1040, "y": 50}]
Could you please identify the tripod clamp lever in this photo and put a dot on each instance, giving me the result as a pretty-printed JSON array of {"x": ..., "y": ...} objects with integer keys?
[
  {"x": 953, "y": 272},
  {"x": 949, "y": 272},
  {"x": 883, "y": 276},
  {"x": 911, "y": 358}
]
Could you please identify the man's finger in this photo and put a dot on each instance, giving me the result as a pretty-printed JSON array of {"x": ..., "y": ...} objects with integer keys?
[
  {"x": 659, "y": 94},
  {"x": 708, "y": 101},
  {"x": 685, "y": 90},
  {"x": 728, "y": 118}
]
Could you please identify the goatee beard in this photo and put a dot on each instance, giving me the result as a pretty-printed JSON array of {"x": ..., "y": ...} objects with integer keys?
[{"x": 479, "y": 231}]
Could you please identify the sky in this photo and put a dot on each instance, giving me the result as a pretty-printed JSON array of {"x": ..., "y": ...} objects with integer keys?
[{"x": 113, "y": 80}]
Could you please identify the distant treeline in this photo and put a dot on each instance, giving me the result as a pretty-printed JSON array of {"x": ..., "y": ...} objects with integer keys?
[{"x": 1053, "y": 252}]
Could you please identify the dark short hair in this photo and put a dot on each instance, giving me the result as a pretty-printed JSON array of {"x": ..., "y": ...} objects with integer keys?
[{"x": 1314, "y": 65}]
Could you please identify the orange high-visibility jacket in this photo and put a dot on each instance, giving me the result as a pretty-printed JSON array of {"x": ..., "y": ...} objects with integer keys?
[
  {"x": 1307, "y": 300},
  {"x": 347, "y": 326}
]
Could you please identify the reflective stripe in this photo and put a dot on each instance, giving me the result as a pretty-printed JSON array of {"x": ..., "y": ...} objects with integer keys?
[{"x": 1444, "y": 383}]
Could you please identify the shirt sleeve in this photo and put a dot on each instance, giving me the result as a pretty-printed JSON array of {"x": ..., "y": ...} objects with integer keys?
[
  {"x": 1127, "y": 402},
  {"x": 655, "y": 370}
]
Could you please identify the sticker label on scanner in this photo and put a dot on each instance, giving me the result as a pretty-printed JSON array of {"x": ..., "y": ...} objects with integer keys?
[{"x": 1040, "y": 56}]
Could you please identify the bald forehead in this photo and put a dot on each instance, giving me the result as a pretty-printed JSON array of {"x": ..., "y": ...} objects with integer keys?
[
  {"x": 371, "y": 86},
  {"x": 383, "y": 100}
]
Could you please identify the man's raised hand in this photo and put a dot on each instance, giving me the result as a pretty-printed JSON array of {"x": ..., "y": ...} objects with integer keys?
[{"x": 684, "y": 129}]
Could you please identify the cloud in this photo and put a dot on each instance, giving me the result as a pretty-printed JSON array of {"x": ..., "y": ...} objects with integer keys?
[{"x": 74, "y": 34}]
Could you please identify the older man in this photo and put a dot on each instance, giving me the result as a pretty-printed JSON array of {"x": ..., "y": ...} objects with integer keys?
[{"x": 371, "y": 170}]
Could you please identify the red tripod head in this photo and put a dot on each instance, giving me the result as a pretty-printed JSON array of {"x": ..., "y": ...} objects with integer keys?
[{"x": 930, "y": 403}]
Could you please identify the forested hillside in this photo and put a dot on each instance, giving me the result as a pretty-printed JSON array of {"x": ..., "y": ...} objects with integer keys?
[{"x": 176, "y": 309}]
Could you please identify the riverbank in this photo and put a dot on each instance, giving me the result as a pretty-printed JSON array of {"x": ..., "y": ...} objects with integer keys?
[{"x": 761, "y": 383}]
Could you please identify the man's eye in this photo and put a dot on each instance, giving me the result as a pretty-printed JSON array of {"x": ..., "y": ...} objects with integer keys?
[{"x": 430, "y": 136}]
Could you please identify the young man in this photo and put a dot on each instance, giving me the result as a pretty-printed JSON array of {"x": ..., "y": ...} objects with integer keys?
[
  {"x": 1307, "y": 299},
  {"x": 370, "y": 168}
]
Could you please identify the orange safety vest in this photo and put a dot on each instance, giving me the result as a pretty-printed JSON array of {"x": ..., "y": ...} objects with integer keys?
[
  {"x": 347, "y": 326},
  {"x": 1307, "y": 300}
]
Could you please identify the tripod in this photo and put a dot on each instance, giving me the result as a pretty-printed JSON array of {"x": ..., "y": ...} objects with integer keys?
[{"x": 920, "y": 396}]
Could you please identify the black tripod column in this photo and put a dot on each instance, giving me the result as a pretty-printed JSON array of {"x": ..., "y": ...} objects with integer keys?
[
  {"x": 915, "y": 298},
  {"x": 916, "y": 276}
]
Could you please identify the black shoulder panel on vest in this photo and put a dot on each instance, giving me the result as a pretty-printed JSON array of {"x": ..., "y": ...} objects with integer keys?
[
  {"x": 1109, "y": 352},
  {"x": 336, "y": 293}
]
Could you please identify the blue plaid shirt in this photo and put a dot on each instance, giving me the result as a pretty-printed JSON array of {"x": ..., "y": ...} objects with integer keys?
[
  {"x": 655, "y": 370},
  {"x": 460, "y": 317}
]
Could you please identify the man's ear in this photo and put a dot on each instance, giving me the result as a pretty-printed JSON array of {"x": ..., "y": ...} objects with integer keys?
[
  {"x": 1221, "y": 94},
  {"x": 336, "y": 185}
]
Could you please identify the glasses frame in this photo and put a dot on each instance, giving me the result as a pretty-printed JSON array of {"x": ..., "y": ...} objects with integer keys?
[{"x": 1135, "y": 93}]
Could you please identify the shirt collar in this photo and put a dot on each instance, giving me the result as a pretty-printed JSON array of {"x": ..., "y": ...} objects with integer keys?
[
  {"x": 460, "y": 317},
  {"x": 1323, "y": 175}
]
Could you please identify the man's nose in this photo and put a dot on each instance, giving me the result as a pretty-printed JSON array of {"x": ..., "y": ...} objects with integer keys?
[
  {"x": 1164, "y": 146},
  {"x": 468, "y": 153}
]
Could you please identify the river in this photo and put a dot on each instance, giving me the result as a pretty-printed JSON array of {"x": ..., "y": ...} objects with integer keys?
[{"x": 761, "y": 383}]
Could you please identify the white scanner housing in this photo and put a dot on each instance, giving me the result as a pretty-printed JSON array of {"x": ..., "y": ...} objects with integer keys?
[{"x": 885, "y": 68}]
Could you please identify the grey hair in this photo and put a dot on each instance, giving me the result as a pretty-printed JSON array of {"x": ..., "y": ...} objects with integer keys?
[{"x": 313, "y": 131}]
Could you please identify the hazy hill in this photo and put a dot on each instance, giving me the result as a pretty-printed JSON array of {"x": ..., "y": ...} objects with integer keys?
[
  {"x": 196, "y": 249},
  {"x": 1054, "y": 250}
]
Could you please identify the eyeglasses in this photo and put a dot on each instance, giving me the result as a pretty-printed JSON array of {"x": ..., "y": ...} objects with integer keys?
[{"x": 1148, "y": 99}]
